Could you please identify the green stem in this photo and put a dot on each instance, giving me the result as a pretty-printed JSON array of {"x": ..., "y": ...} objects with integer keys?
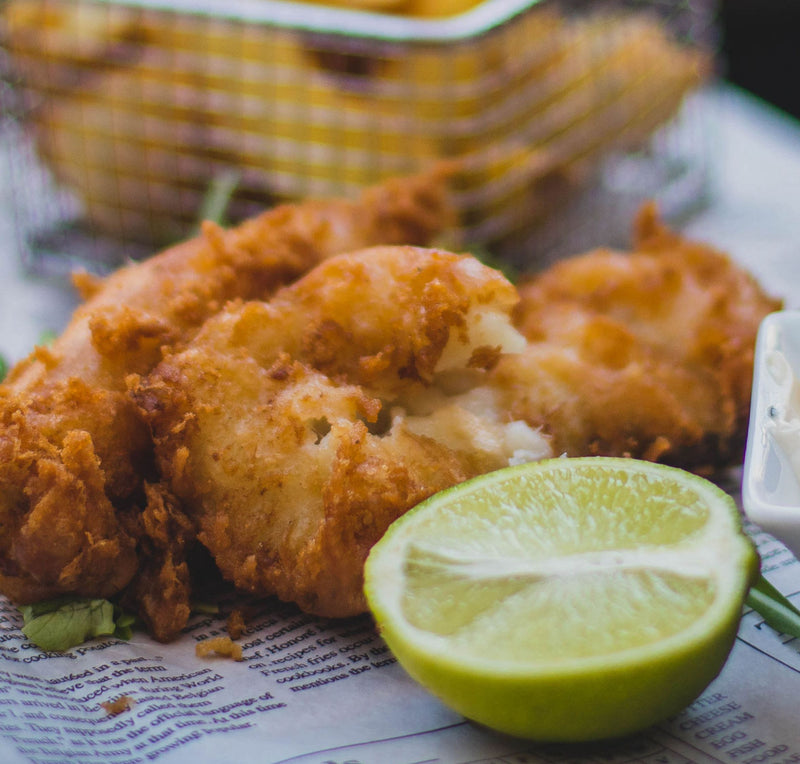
[
  {"x": 774, "y": 608},
  {"x": 217, "y": 199}
]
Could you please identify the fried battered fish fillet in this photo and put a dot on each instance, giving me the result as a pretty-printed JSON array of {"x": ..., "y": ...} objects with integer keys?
[
  {"x": 199, "y": 398},
  {"x": 74, "y": 451},
  {"x": 646, "y": 354},
  {"x": 294, "y": 431}
]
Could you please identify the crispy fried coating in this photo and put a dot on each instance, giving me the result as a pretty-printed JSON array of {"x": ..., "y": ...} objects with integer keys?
[
  {"x": 161, "y": 587},
  {"x": 296, "y": 430},
  {"x": 646, "y": 354},
  {"x": 74, "y": 452},
  {"x": 207, "y": 397}
]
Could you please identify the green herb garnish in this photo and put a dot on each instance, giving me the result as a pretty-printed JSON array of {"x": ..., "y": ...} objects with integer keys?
[
  {"x": 218, "y": 197},
  {"x": 58, "y": 625},
  {"x": 47, "y": 337},
  {"x": 774, "y": 608},
  {"x": 3, "y": 368},
  {"x": 204, "y": 608},
  {"x": 481, "y": 253}
]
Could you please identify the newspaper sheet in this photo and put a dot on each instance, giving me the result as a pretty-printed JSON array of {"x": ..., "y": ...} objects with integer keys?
[{"x": 314, "y": 691}]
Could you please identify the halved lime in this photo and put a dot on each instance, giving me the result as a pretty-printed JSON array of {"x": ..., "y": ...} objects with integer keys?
[{"x": 567, "y": 599}]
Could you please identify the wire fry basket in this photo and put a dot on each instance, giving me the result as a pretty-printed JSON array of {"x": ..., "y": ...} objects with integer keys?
[{"x": 124, "y": 113}]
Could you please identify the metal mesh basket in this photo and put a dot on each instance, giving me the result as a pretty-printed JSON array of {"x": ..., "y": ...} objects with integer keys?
[{"x": 126, "y": 114}]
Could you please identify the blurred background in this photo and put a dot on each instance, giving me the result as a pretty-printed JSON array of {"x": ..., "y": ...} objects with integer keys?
[
  {"x": 121, "y": 120},
  {"x": 761, "y": 49}
]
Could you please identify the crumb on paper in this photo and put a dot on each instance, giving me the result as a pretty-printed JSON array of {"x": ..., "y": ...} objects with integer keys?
[
  {"x": 118, "y": 706},
  {"x": 235, "y": 625},
  {"x": 223, "y": 646}
]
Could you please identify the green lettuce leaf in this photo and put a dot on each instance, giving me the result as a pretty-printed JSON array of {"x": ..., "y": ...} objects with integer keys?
[
  {"x": 124, "y": 623},
  {"x": 57, "y": 625}
]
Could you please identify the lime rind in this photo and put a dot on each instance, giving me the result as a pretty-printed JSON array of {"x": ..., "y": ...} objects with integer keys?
[{"x": 680, "y": 549}]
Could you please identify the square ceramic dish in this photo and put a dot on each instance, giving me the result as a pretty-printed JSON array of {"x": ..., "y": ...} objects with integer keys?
[{"x": 771, "y": 478}]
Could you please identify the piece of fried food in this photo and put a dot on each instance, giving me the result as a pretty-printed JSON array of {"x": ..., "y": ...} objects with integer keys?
[
  {"x": 295, "y": 431},
  {"x": 646, "y": 354},
  {"x": 74, "y": 452}
]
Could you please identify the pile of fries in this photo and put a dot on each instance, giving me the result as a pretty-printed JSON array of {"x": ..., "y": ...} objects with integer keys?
[{"x": 139, "y": 111}]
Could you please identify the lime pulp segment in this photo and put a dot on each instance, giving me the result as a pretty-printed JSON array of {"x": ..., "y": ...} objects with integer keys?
[{"x": 572, "y": 560}]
